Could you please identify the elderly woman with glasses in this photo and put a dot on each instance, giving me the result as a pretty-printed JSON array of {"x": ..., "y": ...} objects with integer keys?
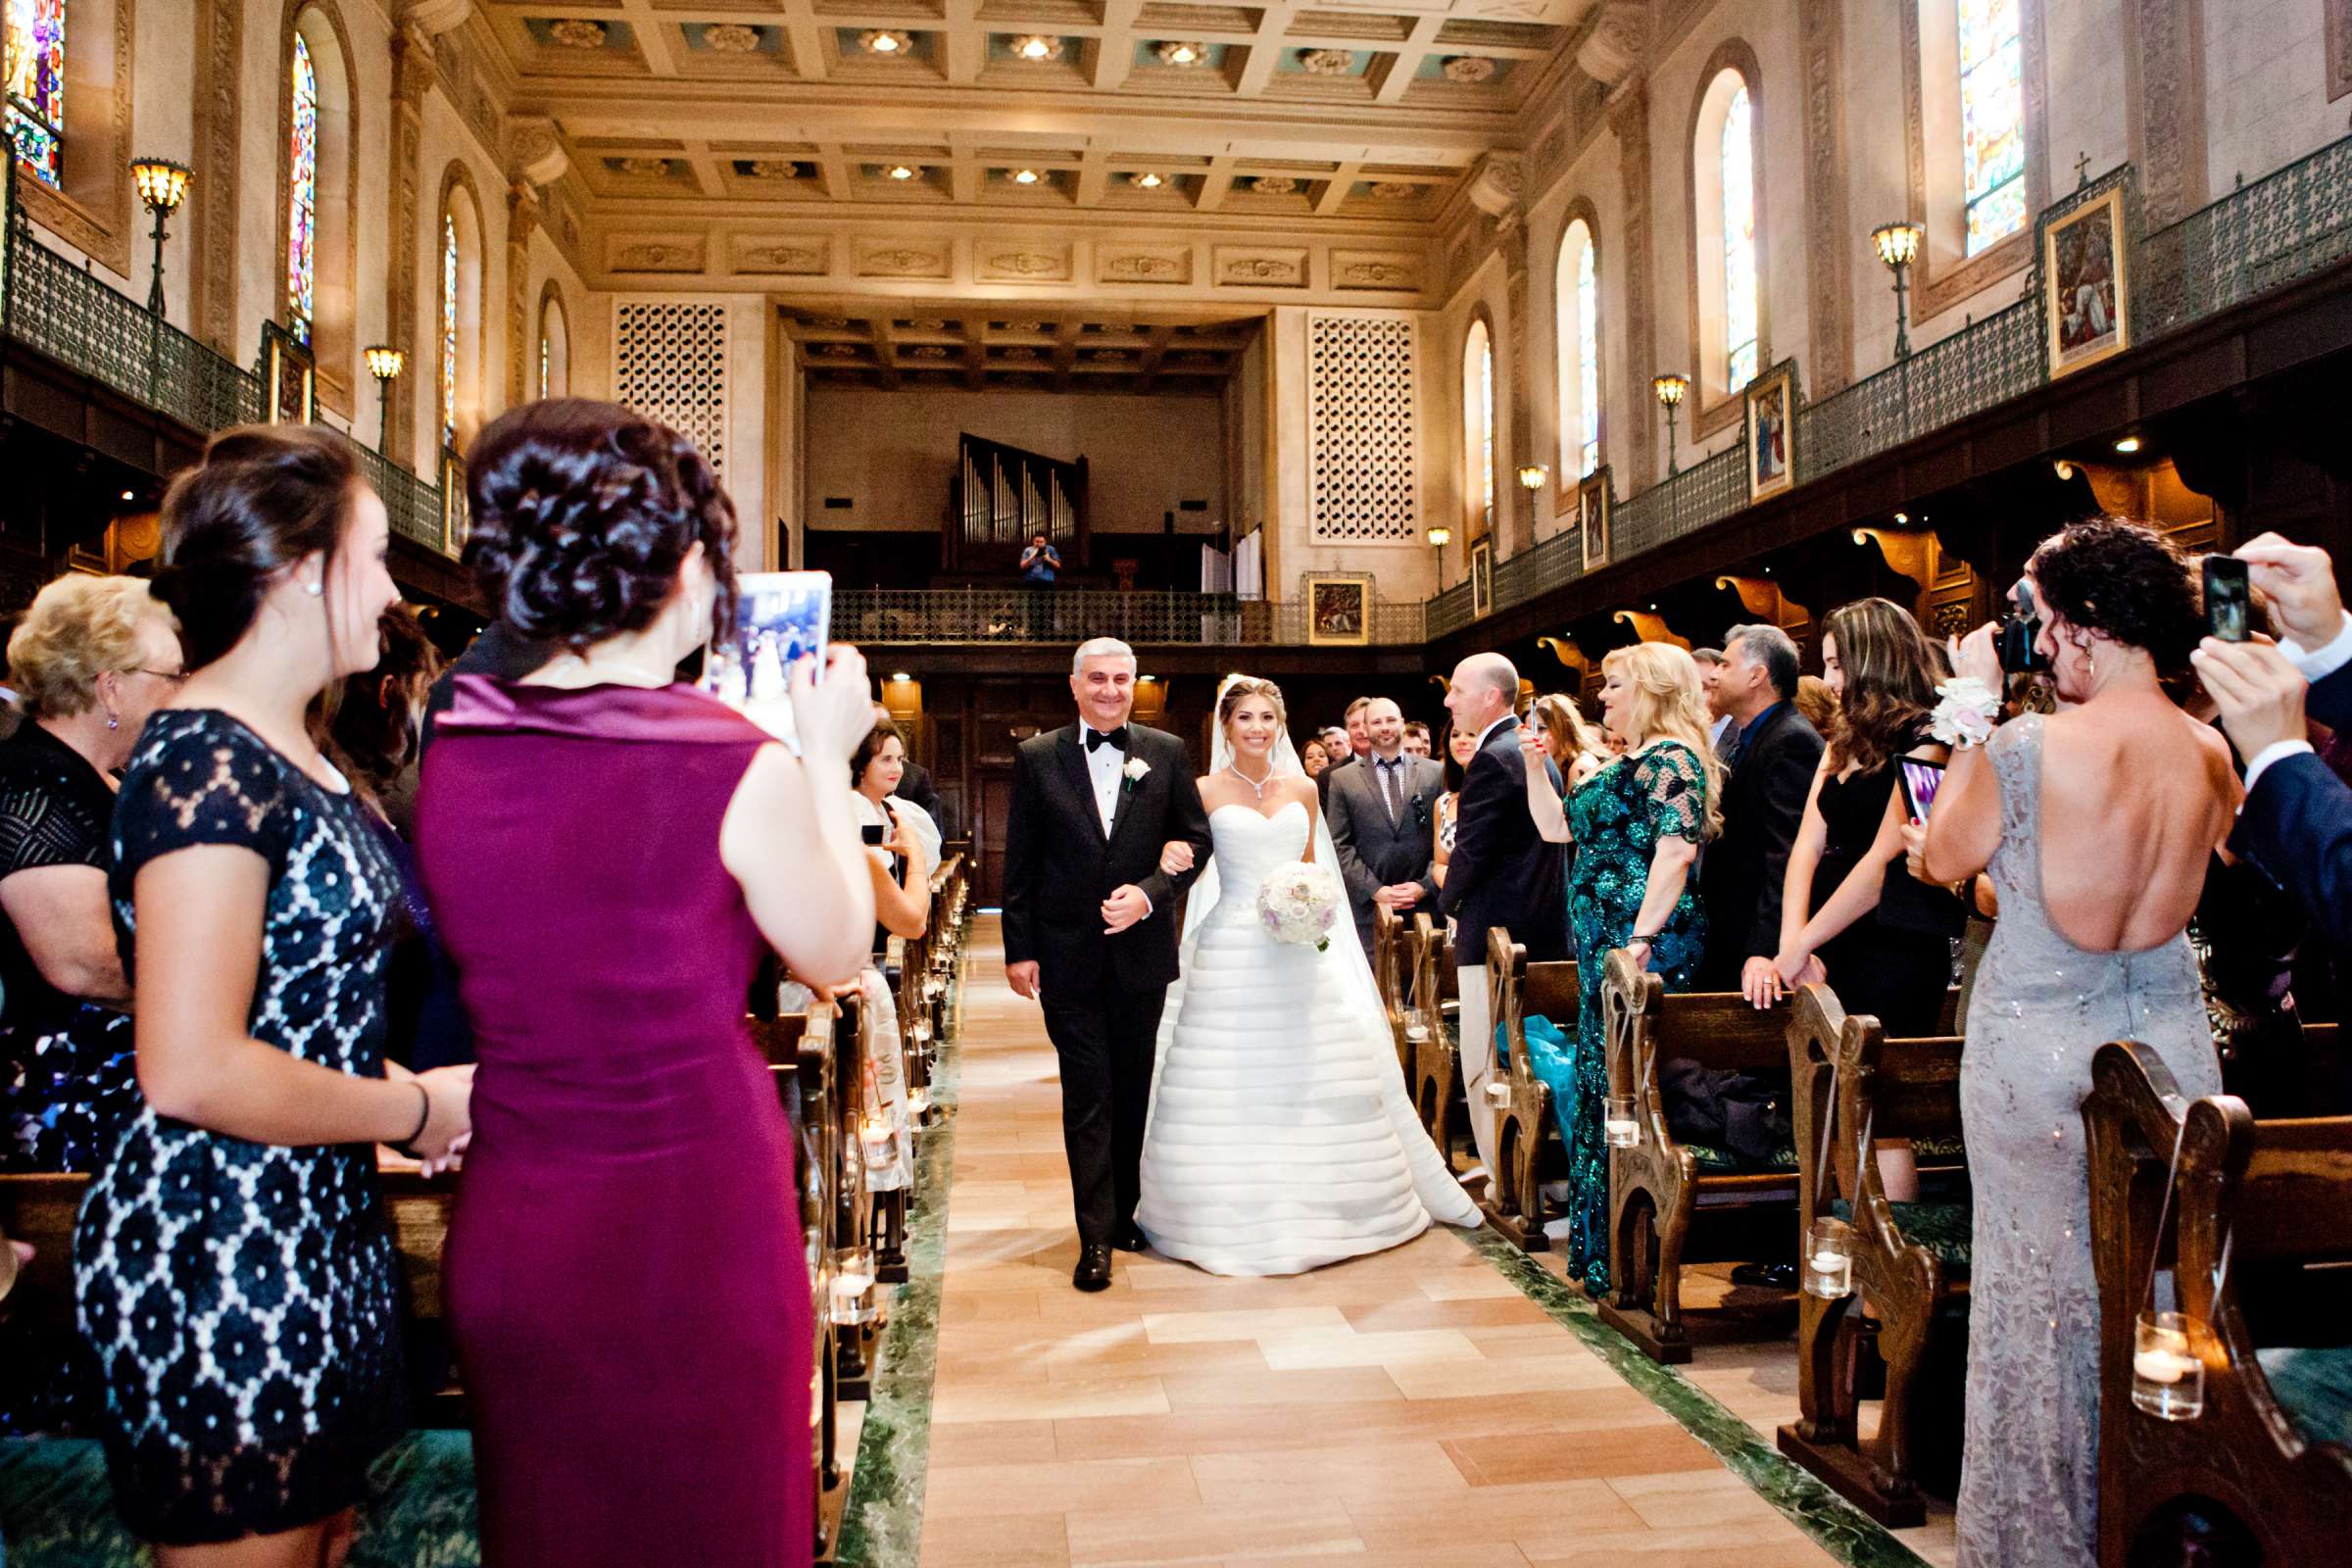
[{"x": 91, "y": 660}]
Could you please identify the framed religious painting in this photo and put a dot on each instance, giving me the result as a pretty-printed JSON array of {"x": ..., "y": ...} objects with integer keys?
[
  {"x": 1339, "y": 610},
  {"x": 289, "y": 379},
  {"x": 1482, "y": 578},
  {"x": 1593, "y": 516},
  {"x": 1771, "y": 401},
  {"x": 457, "y": 521},
  {"x": 2087, "y": 280}
]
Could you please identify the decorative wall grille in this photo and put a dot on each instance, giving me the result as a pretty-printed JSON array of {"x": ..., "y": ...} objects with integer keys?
[
  {"x": 670, "y": 364},
  {"x": 1363, "y": 429}
]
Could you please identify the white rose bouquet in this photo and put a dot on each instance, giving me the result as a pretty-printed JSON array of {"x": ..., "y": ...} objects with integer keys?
[{"x": 1299, "y": 904}]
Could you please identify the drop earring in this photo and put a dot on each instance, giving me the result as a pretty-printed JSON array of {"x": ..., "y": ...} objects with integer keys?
[{"x": 112, "y": 722}]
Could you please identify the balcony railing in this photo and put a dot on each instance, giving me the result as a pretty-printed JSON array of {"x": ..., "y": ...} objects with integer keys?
[
  {"x": 1068, "y": 616},
  {"x": 73, "y": 317},
  {"x": 2258, "y": 238}
]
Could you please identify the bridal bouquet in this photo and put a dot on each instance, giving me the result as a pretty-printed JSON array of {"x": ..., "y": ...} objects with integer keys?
[{"x": 1299, "y": 904}]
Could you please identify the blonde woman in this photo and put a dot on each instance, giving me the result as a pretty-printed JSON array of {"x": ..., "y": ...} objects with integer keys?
[{"x": 1636, "y": 825}]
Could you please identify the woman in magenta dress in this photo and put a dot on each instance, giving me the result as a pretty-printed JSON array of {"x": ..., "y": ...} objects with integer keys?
[{"x": 608, "y": 855}]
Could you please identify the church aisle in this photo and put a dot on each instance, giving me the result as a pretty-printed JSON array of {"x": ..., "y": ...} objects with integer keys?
[{"x": 1416, "y": 1408}]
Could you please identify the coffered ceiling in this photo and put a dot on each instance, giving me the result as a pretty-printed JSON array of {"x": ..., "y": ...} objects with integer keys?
[
  {"x": 1118, "y": 112},
  {"x": 920, "y": 343}
]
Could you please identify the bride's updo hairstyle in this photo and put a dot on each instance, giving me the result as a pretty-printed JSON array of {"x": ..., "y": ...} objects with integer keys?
[
  {"x": 1238, "y": 687},
  {"x": 583, "y": 514}
]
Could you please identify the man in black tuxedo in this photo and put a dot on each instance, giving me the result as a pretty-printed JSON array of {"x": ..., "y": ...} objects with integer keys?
[
  {"x": 1089, "y": 927},
  {"x": 1501, "y": 873},
  {"x": 1381, "y": 809},
  {"x": 2297, "y": 820},
  {"x": 1772, "y": 752}
]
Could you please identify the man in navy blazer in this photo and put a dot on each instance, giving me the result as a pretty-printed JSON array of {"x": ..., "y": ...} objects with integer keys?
[
  {"x": 1501, "y": 871},
  {"x": 2296, "y": 822}
]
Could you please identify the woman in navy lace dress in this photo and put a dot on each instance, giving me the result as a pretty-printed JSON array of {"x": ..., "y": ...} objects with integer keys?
[
  {"x": 1637, "y": 825},
  {"x": 236, "y": 1278}
]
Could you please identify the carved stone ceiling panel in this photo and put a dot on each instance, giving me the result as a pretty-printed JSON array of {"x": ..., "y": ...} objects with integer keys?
[
  {"x": 903, "y": 342},
  {"x": 1343, "y": 112}
]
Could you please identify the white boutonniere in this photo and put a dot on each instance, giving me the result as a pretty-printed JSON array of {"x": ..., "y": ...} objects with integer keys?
[{"x": 1136, "y": 768}]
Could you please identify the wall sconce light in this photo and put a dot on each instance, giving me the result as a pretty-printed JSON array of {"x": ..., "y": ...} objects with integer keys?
[
  {"x": 1439, "y": 536},
  {"x": 1670, "y": 389},
  {"x": 162, "y": 187},
  {"x": 385, "y": 363},
  {"x": 1532, "y": 476},
  {"x": 1897, "y": 245}
]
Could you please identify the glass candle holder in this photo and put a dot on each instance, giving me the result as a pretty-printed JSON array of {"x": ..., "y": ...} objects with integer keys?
[
  {"x": 876, "y": 1142},
  {"x": 1829, "y": 1270},
  {"x": 1617, "y": 1124},
  {"x": 2168, "y": 1373},
  {"x": 851, "y": 1294},
  {"x": 1498, "y": 1091},
  {"x": 1416, "y": 1025}
]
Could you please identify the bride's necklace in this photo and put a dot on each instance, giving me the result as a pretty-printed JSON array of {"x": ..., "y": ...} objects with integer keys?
[{"x": 1257, "y": 787}]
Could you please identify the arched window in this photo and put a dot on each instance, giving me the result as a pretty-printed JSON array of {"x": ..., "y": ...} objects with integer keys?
[
  {"x": 1576, "y": 312},
  {"x": 458, "y": 302},
  {"x": 35, "y": 57},
  {"x": 450, "y": 267},
  {"x": 301, "y": 194},
  {"x": 1478, "y": 425},
  {"x": 1727, "y": 226},
  {"x": 555, "y": 347},
  {"x": 1993, "y": 121},
  {"x": 1738, "y": 166}
]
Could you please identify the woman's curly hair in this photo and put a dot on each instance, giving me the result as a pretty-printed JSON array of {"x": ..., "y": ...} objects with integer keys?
[
  {"x": 2126, "y": 581},
  {"x": 583, "y": 515}
]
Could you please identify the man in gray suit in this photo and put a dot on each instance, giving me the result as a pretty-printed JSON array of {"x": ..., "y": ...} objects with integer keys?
[{"x": 1381, "y": 811}]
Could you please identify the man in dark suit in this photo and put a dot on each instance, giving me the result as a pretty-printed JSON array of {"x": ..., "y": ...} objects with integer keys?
[
  {"x": 1380, "y": 812},
  {"x": 1501, "y": 873},
  {"x": 1772, "y": 752},
  {"x": 1089, "y": 927},
  {"x": 2297, "y": 823}
]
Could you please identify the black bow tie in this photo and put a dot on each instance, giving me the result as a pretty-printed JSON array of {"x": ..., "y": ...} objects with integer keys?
[{"x": 1115, "y": 739}]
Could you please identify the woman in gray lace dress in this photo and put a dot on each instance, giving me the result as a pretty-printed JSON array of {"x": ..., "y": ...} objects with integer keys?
[{"x": 2095, "y": 822}]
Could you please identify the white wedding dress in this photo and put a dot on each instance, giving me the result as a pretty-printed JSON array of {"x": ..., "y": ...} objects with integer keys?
[{"x": 1280, "y": 1137}]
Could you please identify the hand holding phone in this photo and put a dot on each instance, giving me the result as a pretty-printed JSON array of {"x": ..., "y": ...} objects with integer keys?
[{"x": 2021, "y": 632}]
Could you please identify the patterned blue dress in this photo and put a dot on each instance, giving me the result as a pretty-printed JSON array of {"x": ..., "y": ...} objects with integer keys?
[
  {"x": 243, "y": 1298},
  {"x": 1617, "y": 818}
]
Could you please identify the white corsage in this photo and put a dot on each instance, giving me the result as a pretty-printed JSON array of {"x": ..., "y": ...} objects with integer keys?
[
  {"x": 1299, "y": 903},
  {"x": 1966, "y": 715},
  {"x": 1136, "y": 768}
]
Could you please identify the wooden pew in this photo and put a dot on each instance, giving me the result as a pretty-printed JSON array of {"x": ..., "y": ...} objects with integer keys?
[
  {"x": 1658, "y": 1188},
  {"x": 1526, "y": 1141},
  {"x": 2260, "y": 1475},
  {"x": 1909, "y": 1259},
  {"x": 1437, "y": 1060},
  {"x": 1390, "y": 968}
]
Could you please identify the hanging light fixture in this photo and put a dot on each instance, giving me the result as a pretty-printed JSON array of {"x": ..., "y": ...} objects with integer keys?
[
  {"x": 1147, "y": 180},
  {"x": 1025, "y": 176},
  {"x": 1037, "y": 46},
  {"x": 902, "y": 171},
  {"x": 885, "y": 42}
]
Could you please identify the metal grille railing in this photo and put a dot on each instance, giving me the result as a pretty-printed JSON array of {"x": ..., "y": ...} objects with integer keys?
[
  {"x": 2286, "y": 225},
  {"x": 1983, "y": 364},
  {"x": 76, "y": 318},
  {"x": 1709, "y": 491},
  {"x": 1064, "y": 615}
]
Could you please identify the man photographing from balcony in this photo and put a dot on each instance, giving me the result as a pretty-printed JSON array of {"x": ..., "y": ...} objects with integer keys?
[{"x": 1038, "y": 563}]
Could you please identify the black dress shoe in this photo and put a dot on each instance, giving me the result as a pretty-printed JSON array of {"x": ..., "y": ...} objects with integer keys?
[
  {"x": 1131, "y": 1239},
  {"x": 1767, "y": 1276},
  {"x": 1094, "y": 1267}
]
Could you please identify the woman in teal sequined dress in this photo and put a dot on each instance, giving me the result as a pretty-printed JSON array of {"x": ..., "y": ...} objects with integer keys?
[{"x": 1637, "y": 826}]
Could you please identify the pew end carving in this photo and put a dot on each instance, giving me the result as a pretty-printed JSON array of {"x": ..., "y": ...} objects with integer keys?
[
  {"x": 1526, "y": 1141},
  {"x": 1438, "y": 1058}
]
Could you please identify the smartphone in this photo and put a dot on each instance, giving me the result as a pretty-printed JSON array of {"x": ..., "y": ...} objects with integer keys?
[
  {"x": 873, "y": 832},
  {"x": 1920, "y": 781},
  {"x": 2228, "y": 599},
  {"x": 2021, "y": 631},
  {"x": 781, "y": 617}
]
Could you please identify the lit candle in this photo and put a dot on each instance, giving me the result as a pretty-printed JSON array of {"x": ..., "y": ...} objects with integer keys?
[
  {"x": 1416, "y": 1032},
  {"x": 2160, "y": 1365},
  {"x": 1828, "y": 1263},
  {"x": 1621, "y": 1132},
  {"x": 1499, "y": 1093}
]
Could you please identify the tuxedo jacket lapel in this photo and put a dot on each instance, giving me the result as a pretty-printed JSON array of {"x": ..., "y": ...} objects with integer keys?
[{"x": 1072, "y": 752}]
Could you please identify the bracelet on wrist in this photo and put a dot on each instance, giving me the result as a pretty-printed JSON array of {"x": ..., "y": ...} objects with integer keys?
[{"x": 424, "y": 1114}]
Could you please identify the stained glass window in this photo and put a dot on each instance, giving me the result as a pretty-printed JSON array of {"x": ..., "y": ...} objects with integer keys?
[
  {"x": 1477, "y": 418},
  {"x": 1993, "y": 121},
  {"x": 35, "y": 59},
  {"x": 1738, "y": 242},
  {"x": 1587, "y": 362},
  {"x": 543, "y": 357},
  {"x": 449, "y": 328},
  {"x": 301, "y": 198}
]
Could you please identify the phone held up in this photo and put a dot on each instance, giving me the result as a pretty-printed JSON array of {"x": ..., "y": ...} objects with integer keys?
[
  {"x": 2020, "y": 632},
  {"x": 2228, "y": 599},
  {"x": 781, "y": 617}
]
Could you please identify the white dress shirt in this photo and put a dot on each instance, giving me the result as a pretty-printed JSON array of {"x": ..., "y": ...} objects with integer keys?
[
  {"x": 2314, "y": 667},
  {"x": 1104, "y": 767}
]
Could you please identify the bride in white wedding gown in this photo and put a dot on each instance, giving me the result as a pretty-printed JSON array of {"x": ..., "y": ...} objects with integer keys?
[{"x": 1279, "y": 1137}]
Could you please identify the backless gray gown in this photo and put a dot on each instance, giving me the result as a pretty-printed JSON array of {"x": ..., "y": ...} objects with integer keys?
[{"x": 2029, "y": 1485}]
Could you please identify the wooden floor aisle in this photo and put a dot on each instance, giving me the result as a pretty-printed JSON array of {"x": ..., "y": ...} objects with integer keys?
[{"x": 1410, "y": 1408}]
